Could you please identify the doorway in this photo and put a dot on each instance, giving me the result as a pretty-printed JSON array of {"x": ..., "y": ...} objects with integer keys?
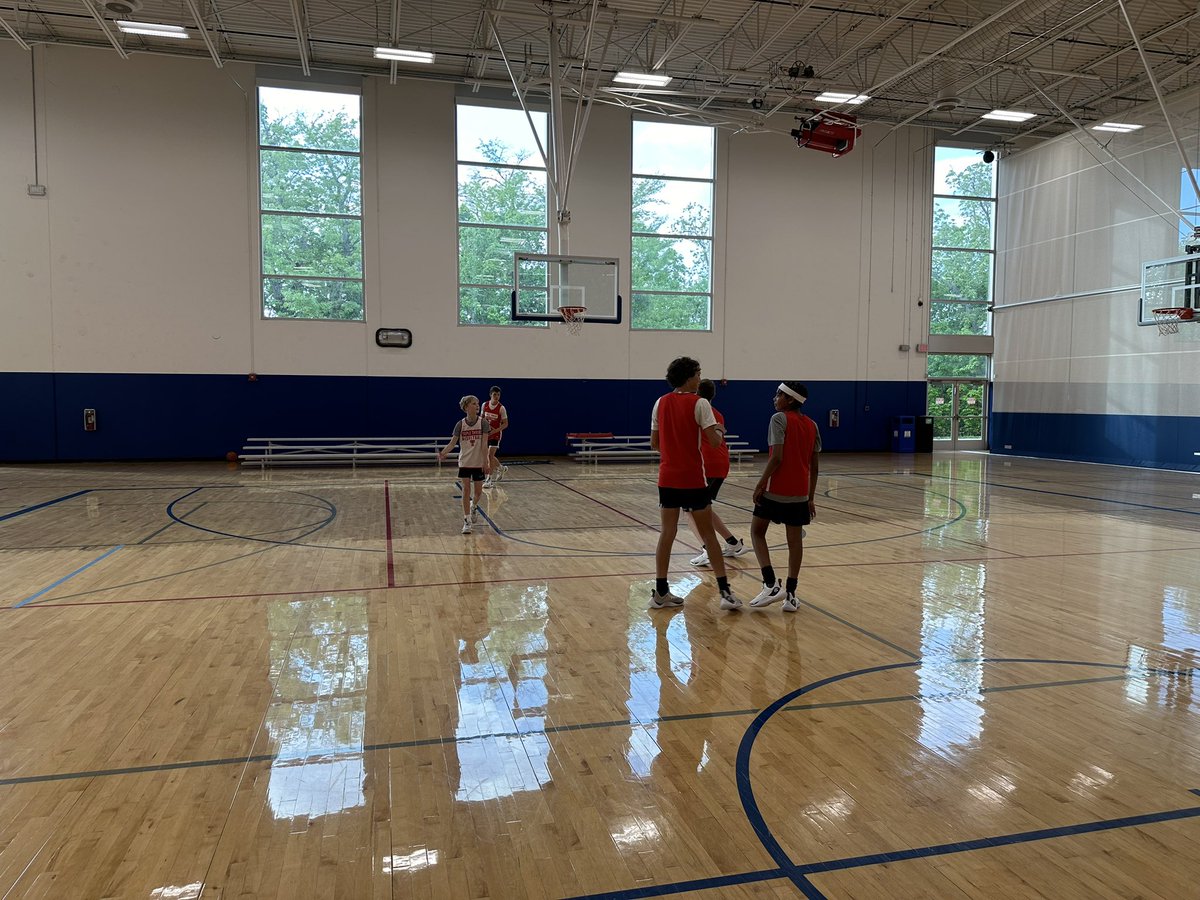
[{"x": 958, "y": 408}]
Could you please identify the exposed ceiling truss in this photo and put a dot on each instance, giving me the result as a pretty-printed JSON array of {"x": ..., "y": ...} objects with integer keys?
[{"x": 746, "y": 64}]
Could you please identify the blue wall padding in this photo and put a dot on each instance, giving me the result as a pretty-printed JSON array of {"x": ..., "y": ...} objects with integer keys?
[
  {"x": 206, "y": 416},
  {"x": 1165, "y": 442}
]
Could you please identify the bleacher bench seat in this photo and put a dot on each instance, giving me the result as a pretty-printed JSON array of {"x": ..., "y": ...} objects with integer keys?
[
  {"x": 302, "y": 451},
  {"x": 586, "y": 448}
]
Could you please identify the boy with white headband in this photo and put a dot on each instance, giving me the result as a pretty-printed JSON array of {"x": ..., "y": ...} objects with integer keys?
[{"x": 786, "y": 492}]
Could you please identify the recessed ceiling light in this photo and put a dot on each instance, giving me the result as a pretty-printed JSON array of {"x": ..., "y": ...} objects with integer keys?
[
  {"x": 1118, "y": 127},
  {"x": 1008, "y": 115},
  {"x": 399, "y": 55},
  {"x": 153, "y": 29},
  {"x": 644, "y": 78},
  {"x": 839, "y": 97}
]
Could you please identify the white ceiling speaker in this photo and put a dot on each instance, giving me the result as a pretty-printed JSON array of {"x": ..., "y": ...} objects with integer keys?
[
  {"x": 944, "y": 104},
  {"x": 122, "y": 7}
]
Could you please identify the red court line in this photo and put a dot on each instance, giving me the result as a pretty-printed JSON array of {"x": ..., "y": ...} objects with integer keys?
[{"x": 387, "y": 521}]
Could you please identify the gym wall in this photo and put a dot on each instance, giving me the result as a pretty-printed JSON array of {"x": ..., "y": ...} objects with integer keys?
[{"x": 132, "y": 287}]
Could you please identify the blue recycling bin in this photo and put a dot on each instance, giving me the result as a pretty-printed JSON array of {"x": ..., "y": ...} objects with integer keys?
[{"x": 904, "y": 434}]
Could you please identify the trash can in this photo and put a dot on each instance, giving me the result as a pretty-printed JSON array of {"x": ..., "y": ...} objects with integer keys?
[
  {"x": 903, "y": 434},
  {"x": 924, "y": 436}
]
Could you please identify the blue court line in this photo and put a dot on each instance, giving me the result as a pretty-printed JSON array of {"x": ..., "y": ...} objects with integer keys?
[
  {"x": 872, "y": 635},
  {"x": 1014, "y": 487},
  {"x": 565, "y": 728},
  {"x": 29, "y": 509},
  {"x": 44, "y": 590},
  {"x": 172, "y": 522},
  {"x": 876, "y": 859},
  {"x": 742, "y": 765},
  {"x": 679, "y": 887},
  {"x": 316, "y": 526},
  {"x": 1003, "y": 840}
]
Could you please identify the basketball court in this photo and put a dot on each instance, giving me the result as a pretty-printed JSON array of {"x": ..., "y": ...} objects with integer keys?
[
  {"x": 257, "y": 260},
  {"x": 311, "y": 685}
]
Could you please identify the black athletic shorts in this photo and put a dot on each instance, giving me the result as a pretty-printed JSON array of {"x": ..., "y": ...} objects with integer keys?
[
  {"x": 714, "y": 488},
  {"x": 782, "y": 513},
  {"x": 687, "y": 499},
  {"x": 493, "y": 442},
  {"x": 473, "y": 474}
]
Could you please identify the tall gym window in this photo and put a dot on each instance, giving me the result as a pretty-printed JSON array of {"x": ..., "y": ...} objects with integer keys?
[
  {"x": 964, "y": 242},
  {"x": 502, "y": 206},
  {"x": 310, "y": 203},
  {"x": 672, "y": 248}
]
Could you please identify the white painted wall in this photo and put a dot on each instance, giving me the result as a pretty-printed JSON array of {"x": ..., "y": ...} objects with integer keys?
[
  {"x": 1076, "y": 222},
  {"x": 143, "y": 258}
]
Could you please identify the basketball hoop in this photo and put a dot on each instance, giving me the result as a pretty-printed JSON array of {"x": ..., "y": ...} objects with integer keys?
[
  {"x": 1167, "y": 318},
  {"x": 573, "y": 317}
]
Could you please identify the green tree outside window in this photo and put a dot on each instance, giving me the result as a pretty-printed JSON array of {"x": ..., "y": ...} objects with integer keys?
[{"x": 310, "y": 195}]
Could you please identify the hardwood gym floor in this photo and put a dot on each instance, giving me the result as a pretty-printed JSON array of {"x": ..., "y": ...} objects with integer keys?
[{"x": 219, "y": 682}]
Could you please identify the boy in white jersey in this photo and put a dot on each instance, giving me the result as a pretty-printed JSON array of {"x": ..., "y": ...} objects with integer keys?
[{"x": 472, "y": 435}]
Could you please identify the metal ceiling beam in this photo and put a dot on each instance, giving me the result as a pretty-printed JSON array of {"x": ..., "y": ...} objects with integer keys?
[
  {"x": 87, "y": 4},
  {"x": 300, "y": 22},
  {"x": 212, "y": 48},
  {"x": 13, "y": 34},
  {"x": 395, "y": 37}
]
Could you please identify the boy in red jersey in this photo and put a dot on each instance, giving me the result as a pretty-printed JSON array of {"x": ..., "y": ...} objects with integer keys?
[
  {"x": 716, "y": 470},
  {"x": 786, "y": 492},
  {"x": 496, "y": 416},
  {"x": 678, "y": 422}
]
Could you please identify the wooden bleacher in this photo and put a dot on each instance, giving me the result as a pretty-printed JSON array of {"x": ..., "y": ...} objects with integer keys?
[
  {"x": 596, "y": 447},
  {"x": 352, "y": 451}
]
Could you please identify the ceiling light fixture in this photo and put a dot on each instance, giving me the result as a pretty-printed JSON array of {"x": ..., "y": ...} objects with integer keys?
[
  {"x": 1008, "y": 115},
  {"x": 643, "y": 78},
  {"x": 839, "y": 97},
  {"x": 398, "y": 54},
  {"x": 1117, "y": 127},
  {"x": 153, "y": 29}
]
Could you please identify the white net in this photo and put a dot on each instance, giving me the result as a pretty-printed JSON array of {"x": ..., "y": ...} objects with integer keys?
[
  {"x": 1169, "y": 318},
  {"x": 573, "y": 316}
]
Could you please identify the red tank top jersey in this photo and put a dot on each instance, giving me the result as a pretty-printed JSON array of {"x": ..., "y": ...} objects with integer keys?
[
  {"x": 493, "y": 415},
  {"x": 680, "y": 464},
  {"x": 716, "y": 459},
  {"x": 791, "y": 478}
]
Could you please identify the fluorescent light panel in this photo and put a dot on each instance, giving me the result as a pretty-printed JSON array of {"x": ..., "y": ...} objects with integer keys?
[
  {"x": 839, "y": 97},
  {"x": 400, "y": 55},
  {"x": 1008, "y": 115},
  {"x": 153, "y": 29},
  {"x": 644, "y": 78},
  {"x": 1118, "y": 127}
]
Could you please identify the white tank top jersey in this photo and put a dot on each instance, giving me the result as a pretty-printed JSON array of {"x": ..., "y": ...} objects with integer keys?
[{"x": 472, "y": 447}]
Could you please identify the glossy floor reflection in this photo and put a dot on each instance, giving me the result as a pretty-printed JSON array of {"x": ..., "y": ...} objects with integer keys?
[{"x": 224, "y": 683}]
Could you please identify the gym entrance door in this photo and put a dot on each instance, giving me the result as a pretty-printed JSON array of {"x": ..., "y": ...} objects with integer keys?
[{"x": 959, "y": 411}]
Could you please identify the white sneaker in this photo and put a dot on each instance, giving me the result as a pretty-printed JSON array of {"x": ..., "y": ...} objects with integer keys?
[
  {"x": 466, "y": 526},
  {"x": 503, "y": 471},
  {"x": 701, "y": 560},
  {"x": 487, "y": 482},
  {"x": 729, "y": 600},
  {"x": 734, "y": 549},
  {"x": 769, "y": 594},
  {"x": 664, "y": 601},
  {"x": 791, "y": 604}
]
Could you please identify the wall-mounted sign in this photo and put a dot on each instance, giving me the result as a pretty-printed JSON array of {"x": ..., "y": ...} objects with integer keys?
[{"x": 393, "y": 337}]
